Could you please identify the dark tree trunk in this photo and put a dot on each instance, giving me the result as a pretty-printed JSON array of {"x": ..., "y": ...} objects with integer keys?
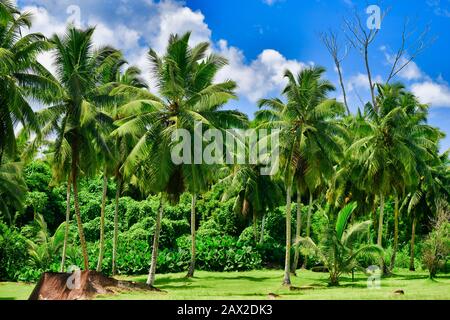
[
  {"x": 395, "y": 249},
  {"x": 101, "y": 250},
  {"x": 116, "y": 223},
  {"x": 66, "y": 229},
  {"x": 77, "y": 210},
  {"x": 297, "y": 232},
  {"x": 193, "y": 238},
  {"x": 413, "y": 239},
  {"x": 152, "y": 271},
  {"x": 287, "y": 264}
]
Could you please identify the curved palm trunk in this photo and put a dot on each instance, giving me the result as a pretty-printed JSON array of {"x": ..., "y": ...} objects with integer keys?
[
  {"x": 78, "y": 215},
  {"x": 66, "y": 230},
  {"x": 308, "y": 226},
  {"x": 116, "y": 224},
  {"x": 380, "y": 222},
  {"x": 298, "y": 231},
  {"x": 287, "y": 264},
  {"x": 152, "y": 271},
  {"x": 413, "y": 238},
  {"x": 102, "y": 224},
  {"x": 263, "y": 224},
  {"x": 193, "y": 236},
  {"x": 394, "y": 253}
]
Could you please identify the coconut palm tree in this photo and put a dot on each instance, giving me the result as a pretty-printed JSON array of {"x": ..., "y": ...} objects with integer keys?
[
  {"x": 76, "y": 114},
  {"x": 393, "y": 143},
  {"x": 336, "y": 249},
  {"x": 424, "y": 199},
  {"x": 188, "y": 96},
  {"x": 255, "y": 193},
  {"x": 308, "y": 123},
  {"x": 21, "y": 76},
  {"x": 116, "y": 81},
  {"x": 12, "y": 189}
]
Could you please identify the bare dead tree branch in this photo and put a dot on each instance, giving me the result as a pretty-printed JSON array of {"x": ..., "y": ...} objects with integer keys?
[
  {"x": 360, "y": 37},
  {"x": 409, "y": 48},
  {"x": 331, "y": 41}
]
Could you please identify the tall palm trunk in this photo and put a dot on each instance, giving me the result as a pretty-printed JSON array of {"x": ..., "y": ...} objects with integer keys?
[
  {"x": 255, "y": 226},
  {"x": 152, "y": 271},
  {"x": 77, "y": 210},
  {"x": 193, "y": 236},
  {"x": 413, "y": 239},
  {"x": 287, "y": 264},
  {"x": 380, "y": 222},
  {"x": 263, "y": 224},
  {"x": 66, "y": 230},
  {"x": 298, "y": 231},
  {"x": 308, "y": 225},
  {"x": 116, "y": 223},
  {"x": 396, "y": 216},
  {"x": 101, "y": 250}
]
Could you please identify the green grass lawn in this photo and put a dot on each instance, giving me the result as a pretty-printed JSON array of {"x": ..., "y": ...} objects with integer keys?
[{"x": 256, "y": 285}]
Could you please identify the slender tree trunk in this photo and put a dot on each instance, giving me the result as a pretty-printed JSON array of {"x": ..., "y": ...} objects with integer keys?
[
  {"x": 369, "y": 76},
  {"x": 193, "y": 236},
  {"x": 413, "y": 239},
  {"x": 66, "y": 230},
  {"x": 78, "y": 215},
  {"x": 298, "y": 232},
  {"x": 341, "y": 82},
  {"x": 152, "y": 271},
  {"x": 308, "y": 226},
  {"x": 287, "y": 264},
  {"x": 101, "y": 250},
  {"x": 380, "y": 222},
  {"x": 396, "y": 217},
  {"x": 263, "y": 223},
  {"x": 255, "y": 226},
  {"x": 116, "y": 223}
]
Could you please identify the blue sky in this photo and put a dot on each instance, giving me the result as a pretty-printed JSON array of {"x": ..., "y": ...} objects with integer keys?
[{"x": 261, "y": 38}]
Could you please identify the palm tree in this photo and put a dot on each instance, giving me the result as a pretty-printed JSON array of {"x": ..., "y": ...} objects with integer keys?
[
  {"x": 43, "y": 249},
  {"x": 116, "y": 82},
  {"x": 309, "y": 127},
  {"x": 12, "y": 189},
  {"x": 255, "y": 193},
  {"x": 394, "y": 142},
  {"x": 189, "y": 96},
  {"x": 21, "y": 76},
  {"x": 425, "y": 199},
  {"x": 75, "y": 116},
  {"x": 336, "y": 249}
]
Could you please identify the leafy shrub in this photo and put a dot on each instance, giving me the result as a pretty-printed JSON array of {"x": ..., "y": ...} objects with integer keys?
[
  {"x": 436, "y": 248},
  {"x": 13, "y": 253}
]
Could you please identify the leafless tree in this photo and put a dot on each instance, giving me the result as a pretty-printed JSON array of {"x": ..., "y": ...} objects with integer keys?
[
  {"x": 331, "y": 41},
  {"x": 361, "y": 37},
  {"x": 412, "y": 45}
]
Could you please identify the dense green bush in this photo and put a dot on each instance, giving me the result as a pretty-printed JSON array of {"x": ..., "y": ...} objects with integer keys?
[{"x": 13, "y": 253}]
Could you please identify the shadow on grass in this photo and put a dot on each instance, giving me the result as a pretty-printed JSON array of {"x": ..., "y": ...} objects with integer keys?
[{"x": 7, "y": 298}]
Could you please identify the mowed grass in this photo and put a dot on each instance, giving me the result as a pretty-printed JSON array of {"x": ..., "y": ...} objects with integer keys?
[{"x": 257, "y": 285}]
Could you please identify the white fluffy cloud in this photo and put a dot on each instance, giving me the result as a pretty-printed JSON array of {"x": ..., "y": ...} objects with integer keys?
[
  {"x": 436, "y": 94},
  {"x": 361, "y": 81},
  {"x": 172, "y": 18},
  {"x": 256, "y": 79},
  {"x": 259, "y": 78}
]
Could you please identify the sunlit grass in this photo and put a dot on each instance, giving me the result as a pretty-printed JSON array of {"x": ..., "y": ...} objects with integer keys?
[{"x": 256, "y": 285}]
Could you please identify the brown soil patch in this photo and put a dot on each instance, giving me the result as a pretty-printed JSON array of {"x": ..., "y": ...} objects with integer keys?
[{"x": 54, "y": 286}]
